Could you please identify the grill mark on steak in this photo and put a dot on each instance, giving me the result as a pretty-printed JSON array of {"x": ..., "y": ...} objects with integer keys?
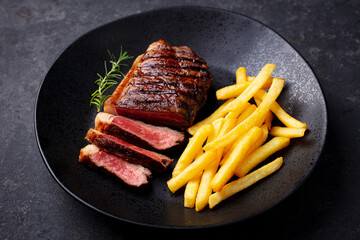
[
  {"x": 156, "y": 103},
  {"x": 170, "y": 71},
  {"x": 183, "y": 94},
  {"x": 173, "y": 62},
  {"x": 185, "y": 84},
  {"x": 166, "y": 81},
  {"x": 185, "y": 67},
  {"x": 172, "y": 56}
]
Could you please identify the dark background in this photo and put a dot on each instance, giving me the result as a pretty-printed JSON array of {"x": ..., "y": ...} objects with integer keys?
[{"x": 32, "y": 204}]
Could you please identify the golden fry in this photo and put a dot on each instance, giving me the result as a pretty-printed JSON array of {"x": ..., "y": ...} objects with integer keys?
[
  {"x": 235, "y": 141},
  {"x": 250, "y": 91},
  {"x": 241, "y": 75},
  {"x": 287, "y": 132},
  {"x": 205, "y": 190},
  {"x": 260, "y": 154},
  {"x": 231, "y": 91},
  {"x": 268, "y": 119},
  {"x": 237, "y": 112},
  {"x": 191, "y": 191},
  {"x": 285, "y": 118},
  {"x": 255, "y": 119},
  {"x": 193, "y": 147},
  {"x": 266, "y": 85},
  {"x": 246, "y": 113},
  {"x": 215, "y": 115},
  {"x": 192, "y": 170},
  {"x": 235, "y": 90},
  {"x": 260, "y": 141},
  {"x": 236, "y": 186},
  {"x": 255, "y": 146},
  {"x": 227, "y": 170},
  {"x": 217, "y": 125}
]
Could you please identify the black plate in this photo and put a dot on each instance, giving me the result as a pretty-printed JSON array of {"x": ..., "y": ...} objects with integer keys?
[{"x": 226, "y": 41}]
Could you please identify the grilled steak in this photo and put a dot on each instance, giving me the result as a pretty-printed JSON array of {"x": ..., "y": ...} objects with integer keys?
[
  {"x": 132, "y": 174},
  {"x": 165, "y": 86},
  {"x": 129, "y": 152},
  {"x": 137, "y": 132}
]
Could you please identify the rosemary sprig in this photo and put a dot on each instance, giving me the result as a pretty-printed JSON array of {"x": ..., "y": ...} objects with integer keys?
[{"x": 104, "y": 83}]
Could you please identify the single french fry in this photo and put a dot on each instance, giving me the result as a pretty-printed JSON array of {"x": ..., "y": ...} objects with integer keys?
[
  {"x": 246, "y": 113},
  {"x": 193, "y": 147},
  {"x": 192, "y": 170},
  {"x": 241, "y": 75},
  {"x": 191, "y": 190},
  {"x": 255, "y": 119},
  {"x": 204, "y": 191},
  {"x": 260, "y": 154},
  {"x": 268, "y": 119},
  {"x": 227, "y": 170},
  {"x": 237, "y": 112},
  {"x": 269, "y": 116},
  {"x": 266, "y": 85},
  {"x": 250, "y": 91},
  {"x": 287, "y": 132},
  {"x": 235, "y": 90},
  {"x": 215, "y": 115},
  {"x": 260, "y": 141},
  {"x": 217, "y": 125},
  {"x": 236, "y": 186},
  {"x": 280, "y": 113},
  {"x": 229, "y": 123},
  {"x": 231, "y": 91},
  {"x": 255, "y": 146}
]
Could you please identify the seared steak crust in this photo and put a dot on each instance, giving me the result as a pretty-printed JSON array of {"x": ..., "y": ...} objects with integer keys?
[{"x": 165, "y": 86}]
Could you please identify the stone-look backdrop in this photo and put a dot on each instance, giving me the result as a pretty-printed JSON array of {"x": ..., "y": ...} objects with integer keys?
[{"x": 34, "y": 33}]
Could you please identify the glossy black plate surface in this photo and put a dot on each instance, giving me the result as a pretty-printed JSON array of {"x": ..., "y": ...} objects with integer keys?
[{"x": 226, "y": 41}]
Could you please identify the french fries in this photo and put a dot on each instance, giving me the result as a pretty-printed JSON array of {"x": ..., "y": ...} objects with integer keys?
[
  {"x": 287, "y": 132},
  {"x": 246, "y": 113},
  {"x": 214, "y": 116},
  {"x": 231, "y": 91},
  {"x": 205, "y": 189},
  {"x": 285, "y": 118},
  {"x": 191, "y": 191},
  {"x": 260, "y": 154},
  {"x": 241, "y": 75},
  {"x": 250, "y": 91},
  {"x": 192, "y": 170},
  {"x": 232, "y": 141},
  {"x": 235, "y": 90},
  {"x": 227, "y": 170},
  {"x": 255, "y": 119},
  {"x": 192, "y": 149},
  {"x": 242, "y": 183}
]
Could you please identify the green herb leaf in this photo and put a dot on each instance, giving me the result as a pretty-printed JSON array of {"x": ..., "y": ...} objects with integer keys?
[{"x": 104, "y": 83}]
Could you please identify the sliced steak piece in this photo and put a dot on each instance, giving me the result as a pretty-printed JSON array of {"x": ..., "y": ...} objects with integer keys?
[
  {"x": 137, "y": 132},
  {"x": 132, "y": 174},
  {"x": 129, "y": 152},
  {"x": 165, "y": 86}
]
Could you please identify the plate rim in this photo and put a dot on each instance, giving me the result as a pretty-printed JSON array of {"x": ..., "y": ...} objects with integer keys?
[{"x": 237, "y": 220}]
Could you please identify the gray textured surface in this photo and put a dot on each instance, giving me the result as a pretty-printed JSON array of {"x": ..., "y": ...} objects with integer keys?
[{"x": 33, "y": 34}]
